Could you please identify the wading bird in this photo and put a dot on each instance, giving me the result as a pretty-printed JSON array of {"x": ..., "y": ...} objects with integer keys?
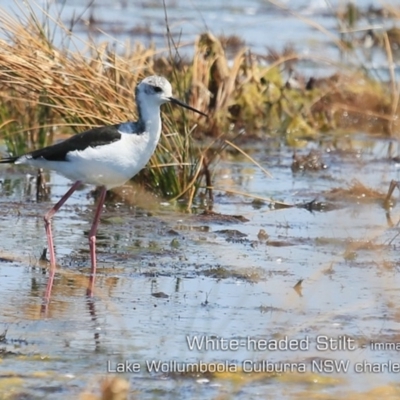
[{"x": 106, "y": 156}]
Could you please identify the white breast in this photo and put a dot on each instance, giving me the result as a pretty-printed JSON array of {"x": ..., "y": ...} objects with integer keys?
[{"x": 110, "y": 165}]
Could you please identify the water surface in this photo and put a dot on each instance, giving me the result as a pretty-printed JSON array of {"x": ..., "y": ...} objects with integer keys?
[{"x": 165, "y": 276}]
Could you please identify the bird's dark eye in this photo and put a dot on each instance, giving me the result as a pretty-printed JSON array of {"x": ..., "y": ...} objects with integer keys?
[{"x": 157, "y": 89}]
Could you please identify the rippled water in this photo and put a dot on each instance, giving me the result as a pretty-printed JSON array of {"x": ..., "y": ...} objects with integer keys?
[{"x": 218, "y": 285}]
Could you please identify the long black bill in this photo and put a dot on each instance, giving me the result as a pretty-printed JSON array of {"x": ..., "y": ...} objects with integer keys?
[{"x": 182, "y": 104}]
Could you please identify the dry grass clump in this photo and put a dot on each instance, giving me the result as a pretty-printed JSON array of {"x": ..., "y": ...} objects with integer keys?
[
  {"x": 45, "y": 90},
  {"x": 43, "y": 84},
  {"x": 258, "y": 93}
]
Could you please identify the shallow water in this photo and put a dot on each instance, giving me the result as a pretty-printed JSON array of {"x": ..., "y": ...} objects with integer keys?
[{"x": 166, "y": 277}]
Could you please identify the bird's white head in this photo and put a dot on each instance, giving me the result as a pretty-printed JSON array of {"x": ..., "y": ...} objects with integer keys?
[{"x": 156, "y": 90}]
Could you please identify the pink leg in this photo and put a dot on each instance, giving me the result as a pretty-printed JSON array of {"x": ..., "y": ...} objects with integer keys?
[
  {"x": 92, "y": 240},
  {"x": 50, "y": 244}
]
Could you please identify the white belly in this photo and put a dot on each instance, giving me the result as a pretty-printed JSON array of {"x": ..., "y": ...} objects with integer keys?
[{"x": 110, "y": 165}]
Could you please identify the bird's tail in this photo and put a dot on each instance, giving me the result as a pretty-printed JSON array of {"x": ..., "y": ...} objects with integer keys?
[{"x": 8, "y": 160}]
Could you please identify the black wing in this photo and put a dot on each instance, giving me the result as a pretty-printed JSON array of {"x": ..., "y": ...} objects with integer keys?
[{"x": 93, "y": 137}]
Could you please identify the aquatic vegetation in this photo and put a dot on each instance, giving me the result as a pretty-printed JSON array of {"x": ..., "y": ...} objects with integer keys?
[{"x": 48, "y": 91}]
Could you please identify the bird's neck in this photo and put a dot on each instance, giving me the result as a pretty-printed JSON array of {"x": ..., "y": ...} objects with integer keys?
[{"x": 150, "y": 120}]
